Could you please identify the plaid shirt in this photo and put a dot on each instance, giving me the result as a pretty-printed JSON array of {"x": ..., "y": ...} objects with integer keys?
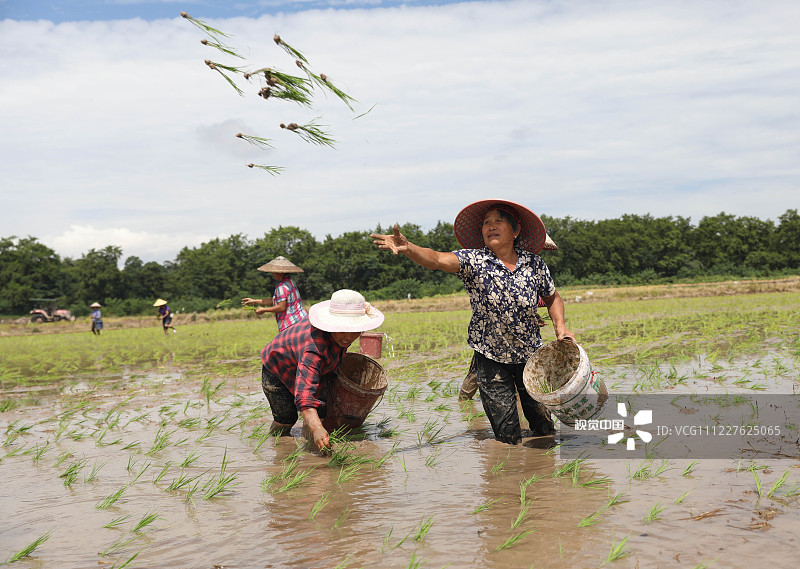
[
  {"x": 503, "y": 324},
  {"x": 302, "y": 357},
  {"x": 294, "y": 313}
]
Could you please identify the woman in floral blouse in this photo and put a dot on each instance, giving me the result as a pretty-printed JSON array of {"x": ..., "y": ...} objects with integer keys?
[{"x": 505, "y": 279}]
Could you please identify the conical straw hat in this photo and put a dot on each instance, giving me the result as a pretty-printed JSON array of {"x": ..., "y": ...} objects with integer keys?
[
  {"x": 280, "y": 265},
  {"x": 160, "y": 302},
  {"x": 95, "y": 305},
  {"x": 549, "y": 244}
]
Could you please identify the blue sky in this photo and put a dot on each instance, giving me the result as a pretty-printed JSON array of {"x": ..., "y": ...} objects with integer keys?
[
  {"x": 59, "y": 11},
  {"x": 115, "y": 132}
]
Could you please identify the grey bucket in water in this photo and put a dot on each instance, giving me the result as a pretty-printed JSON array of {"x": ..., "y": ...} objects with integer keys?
[
  {"x": 560, "y": 377},
  {"x": 360, "y": 383}
]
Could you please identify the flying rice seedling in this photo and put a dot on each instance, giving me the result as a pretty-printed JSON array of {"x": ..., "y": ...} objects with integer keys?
[{"x": 274, "y": 84}]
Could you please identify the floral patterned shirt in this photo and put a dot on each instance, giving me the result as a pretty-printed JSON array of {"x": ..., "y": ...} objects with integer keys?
[{"x": 503, "y": 325}]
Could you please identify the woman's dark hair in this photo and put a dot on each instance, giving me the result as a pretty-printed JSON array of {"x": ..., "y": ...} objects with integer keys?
[{"x": 506, "y": 215}]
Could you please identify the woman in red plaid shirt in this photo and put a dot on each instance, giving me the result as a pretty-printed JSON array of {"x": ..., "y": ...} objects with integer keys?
[{"x": 299, "y": 364}]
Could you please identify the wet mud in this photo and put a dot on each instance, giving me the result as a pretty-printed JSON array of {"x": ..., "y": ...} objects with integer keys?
[{"x": 422, "y": 484}]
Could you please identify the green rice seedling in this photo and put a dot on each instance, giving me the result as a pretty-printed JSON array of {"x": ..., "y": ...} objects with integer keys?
[
  {"x": 386, "y": 456},
  {"x": 323, "y": 501},
  {"x": 514, "y": 540},
  {"x": 432, "y": 459},
  {"x": 532, "y": 479},
  {"x": 567, "y": 468},
  {"x": 591, "y": 519},
  {"x": 759, "y": 489},
  {"x": 348, "y": 472},
  {"x": 554, "y": 449},
  {"x": 62, "y": 457},
  {"x": 119, "y": 544},
  {"x": 596, "y": 482},
  {"x": 485, "y": 506},
  {"x": 191, "y": 457},
  {"x": 28, "y": 549},
  {"x": 131, "y": 445},
  {"x": 162, "y": 472},
  {"x": 654, "y": 513},
  {"x": 689, "y": 468},
  {"x": 344, "y": 563},
  {"x": 146, "y": 520},
  {"x": 39, "y": 450},
  {"x": 616, "y": 499},
  {"x": 295, "y": 480},
  {"x": 222, "y": 481},
  {"x": 523, "y": 511},
  {"x": 7, "y": 405},
  {"x": 182, "y": 481},
  {"x": 109, "y": 500},
  {"x": 117, "y": 522},
  {"x": 342, "y": 518},
  {"x": 778, "y": 484},
  {"x": 500, "y": 465},
  {"x": 680, "y": 498},
  {"x": 93, "y": 474},
  {"x": 72, "y": 471},
  {"x": 387, "y": 538},
  {"x": 414, "y": 563},
  {"x": 127, "y": 562},
  {"x": 424, "y": 528},
  {"x": 160, "y": 442},
  {"x": 617, "y": 550},
  {"x": 401, "y": 459}
]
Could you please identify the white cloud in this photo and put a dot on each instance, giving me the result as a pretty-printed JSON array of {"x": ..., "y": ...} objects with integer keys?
[{"x": 118, "y": 131}]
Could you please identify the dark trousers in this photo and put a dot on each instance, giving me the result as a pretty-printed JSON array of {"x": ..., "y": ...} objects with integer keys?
[
  {"x": 281, "y": 399},
  {"x": 499, "y": 385}
]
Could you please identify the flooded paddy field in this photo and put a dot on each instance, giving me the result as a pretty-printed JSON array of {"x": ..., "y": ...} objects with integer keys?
[{"x": 173, "y": 467}]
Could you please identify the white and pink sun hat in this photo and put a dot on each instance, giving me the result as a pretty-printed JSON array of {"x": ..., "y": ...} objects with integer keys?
[{"x": 346, "y": 311}]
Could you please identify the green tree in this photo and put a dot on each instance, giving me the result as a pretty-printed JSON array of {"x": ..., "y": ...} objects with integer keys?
[
  {"x": 97, "y": 275},
  {"x": 28, "y": 269}
]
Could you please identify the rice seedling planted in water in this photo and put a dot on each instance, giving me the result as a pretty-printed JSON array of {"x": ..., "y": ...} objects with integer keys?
[{"x": 28, "y": 549}]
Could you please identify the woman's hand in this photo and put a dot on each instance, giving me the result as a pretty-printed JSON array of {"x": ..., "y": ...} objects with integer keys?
[
  {"x": 396, "y": 243},
  {"x": 261, "y": 311},
  {"x": 250, "y": 301},
  {"x": 321, "y": 438}
]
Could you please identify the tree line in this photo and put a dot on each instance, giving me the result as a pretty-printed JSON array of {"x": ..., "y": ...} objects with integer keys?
[{"x": 633, "y": 249}]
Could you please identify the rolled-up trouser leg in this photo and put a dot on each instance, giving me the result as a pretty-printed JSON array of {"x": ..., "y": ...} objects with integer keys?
[
  {"x": 536, "y": 413},
  {"x": 499, "y": 398},
  {"x": 470, "y": 384},
  {"x": 281, "y": 400}
]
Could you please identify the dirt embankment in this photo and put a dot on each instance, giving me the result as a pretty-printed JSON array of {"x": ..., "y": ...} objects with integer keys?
[{"x": 23, "y": 326}]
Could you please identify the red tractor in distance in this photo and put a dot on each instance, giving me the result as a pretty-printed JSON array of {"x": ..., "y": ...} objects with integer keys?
[{"x": 46, "y": 311}]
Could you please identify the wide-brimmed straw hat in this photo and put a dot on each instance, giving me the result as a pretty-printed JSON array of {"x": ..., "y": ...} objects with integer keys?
[
  {"x": 346, "y": 311},
  {"x": 160, "y": 302},
  {"x": 95, "y": 305},
  {"x": 280, "y": 265},
  {"x": 469, "y": 221}
]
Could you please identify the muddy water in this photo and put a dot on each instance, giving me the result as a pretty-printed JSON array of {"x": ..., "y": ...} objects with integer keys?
[{"x": 445, "y": 494}]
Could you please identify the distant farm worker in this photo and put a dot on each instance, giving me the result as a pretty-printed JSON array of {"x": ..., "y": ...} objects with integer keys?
[
  {"x": 299, "y": 364},
  {"x": 470, "y": 384},
  {"x": 285, "y": 304},
  {"x": 505, "y": 279},
  {"x": 165, "y": 315},
  {"x": 96, "y": 317}
]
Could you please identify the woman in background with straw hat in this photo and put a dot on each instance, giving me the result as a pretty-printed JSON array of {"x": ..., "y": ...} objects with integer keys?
[
  {"x": 299, "y": 364},
  {"x": 165, "y": 315},
  {"x": 285, "y": 304},
  {"x": 505, "y": 278},
  {"x": 97, "y": 318}
]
